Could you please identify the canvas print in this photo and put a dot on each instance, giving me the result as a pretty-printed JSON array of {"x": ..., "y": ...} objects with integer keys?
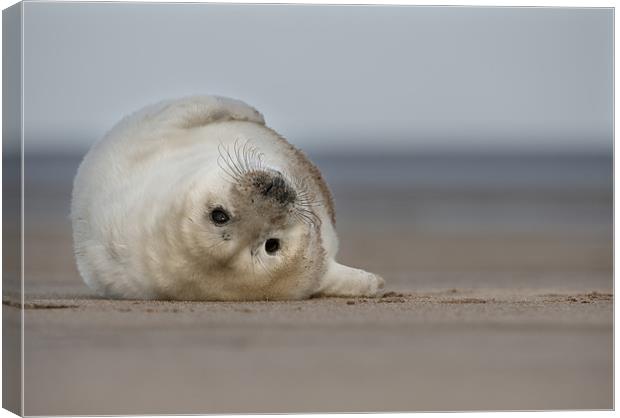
[{"x": 272, "y": 208}]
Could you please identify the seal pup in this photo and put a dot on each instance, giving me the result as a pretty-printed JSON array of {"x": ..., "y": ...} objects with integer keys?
[{"x": 197, "y": 199}]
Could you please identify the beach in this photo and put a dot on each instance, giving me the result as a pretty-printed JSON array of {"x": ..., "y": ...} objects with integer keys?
[{"x": 499, "y": 296}]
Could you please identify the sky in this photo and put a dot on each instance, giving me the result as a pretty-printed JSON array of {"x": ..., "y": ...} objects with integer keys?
[{"x": 329, "y": 78}]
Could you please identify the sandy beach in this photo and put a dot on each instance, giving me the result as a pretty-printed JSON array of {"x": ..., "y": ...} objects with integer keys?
[
  {"x": 497, "y": 299},
  {"x": 445, "y": 350}
]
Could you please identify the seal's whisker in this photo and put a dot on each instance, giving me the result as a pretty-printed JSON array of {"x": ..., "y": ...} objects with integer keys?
[
  {"x": 233, "y": 166},
  {"x": 237, "y": 151},
  {"x": 239, "y": 156},
  {"x": 310, "y": 214},
  {"x": 234, "y": 160},
  {"x": 251, "y": 158},
  {"x": 259, "y": 160},
  {"x": 304, "y": 197},
  {"x": 246, "y": 155},
  {"x": 241, "y": 160},
  {"x": 226, "y": 171},
  {"x": 234, "y": 176},
  {"x": 231, "y": 163},
  {"x": 305, "y": 217},
  {"x": 222, "y": 150},
  {"x": 220, "y": 164},
  {"x": 233, "y": 182},
  {"x": 307, "y": 214},
  {"x": 310, "y": 204},
  {"x": 305, "y": 220}
]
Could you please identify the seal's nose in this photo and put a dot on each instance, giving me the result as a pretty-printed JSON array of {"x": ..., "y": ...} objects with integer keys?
[
  {"x": 276, "y": 187},
  {"x": 273, "y": 186}
]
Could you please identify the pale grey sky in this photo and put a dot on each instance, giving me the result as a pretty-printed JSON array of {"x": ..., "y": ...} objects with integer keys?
[{"x": 395, "y": 78}]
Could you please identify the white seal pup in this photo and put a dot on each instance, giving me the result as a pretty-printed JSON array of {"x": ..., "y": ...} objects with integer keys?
[{"x": 196, "y": 199}]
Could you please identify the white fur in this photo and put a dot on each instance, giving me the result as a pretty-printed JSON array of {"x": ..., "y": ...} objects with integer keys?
[{"x": 138, "y": 211}]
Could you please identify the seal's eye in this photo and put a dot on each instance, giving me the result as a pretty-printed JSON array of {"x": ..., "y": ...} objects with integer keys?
[
  {"x": 272, "y": 245},
  {"x": 219, "y": 216}
]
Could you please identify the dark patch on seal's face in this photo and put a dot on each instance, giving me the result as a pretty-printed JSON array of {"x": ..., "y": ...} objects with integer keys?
[{"x": 272, "y": 185}]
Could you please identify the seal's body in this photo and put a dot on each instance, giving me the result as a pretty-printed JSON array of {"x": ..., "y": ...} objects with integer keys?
[{"x": 196, "y": 199}]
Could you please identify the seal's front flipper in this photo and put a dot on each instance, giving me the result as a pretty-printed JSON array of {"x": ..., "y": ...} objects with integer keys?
[{"x": 340, "y": 280}]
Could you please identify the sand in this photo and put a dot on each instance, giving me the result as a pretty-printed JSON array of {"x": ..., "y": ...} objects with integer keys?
[{"x": 445, "y": 350}]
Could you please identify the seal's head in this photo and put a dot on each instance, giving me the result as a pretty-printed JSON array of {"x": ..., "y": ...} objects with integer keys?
[{"x": 258, "y": 236}]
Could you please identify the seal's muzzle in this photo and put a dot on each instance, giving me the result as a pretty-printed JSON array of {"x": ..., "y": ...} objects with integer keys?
[{"x": 273, "y": 186}]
